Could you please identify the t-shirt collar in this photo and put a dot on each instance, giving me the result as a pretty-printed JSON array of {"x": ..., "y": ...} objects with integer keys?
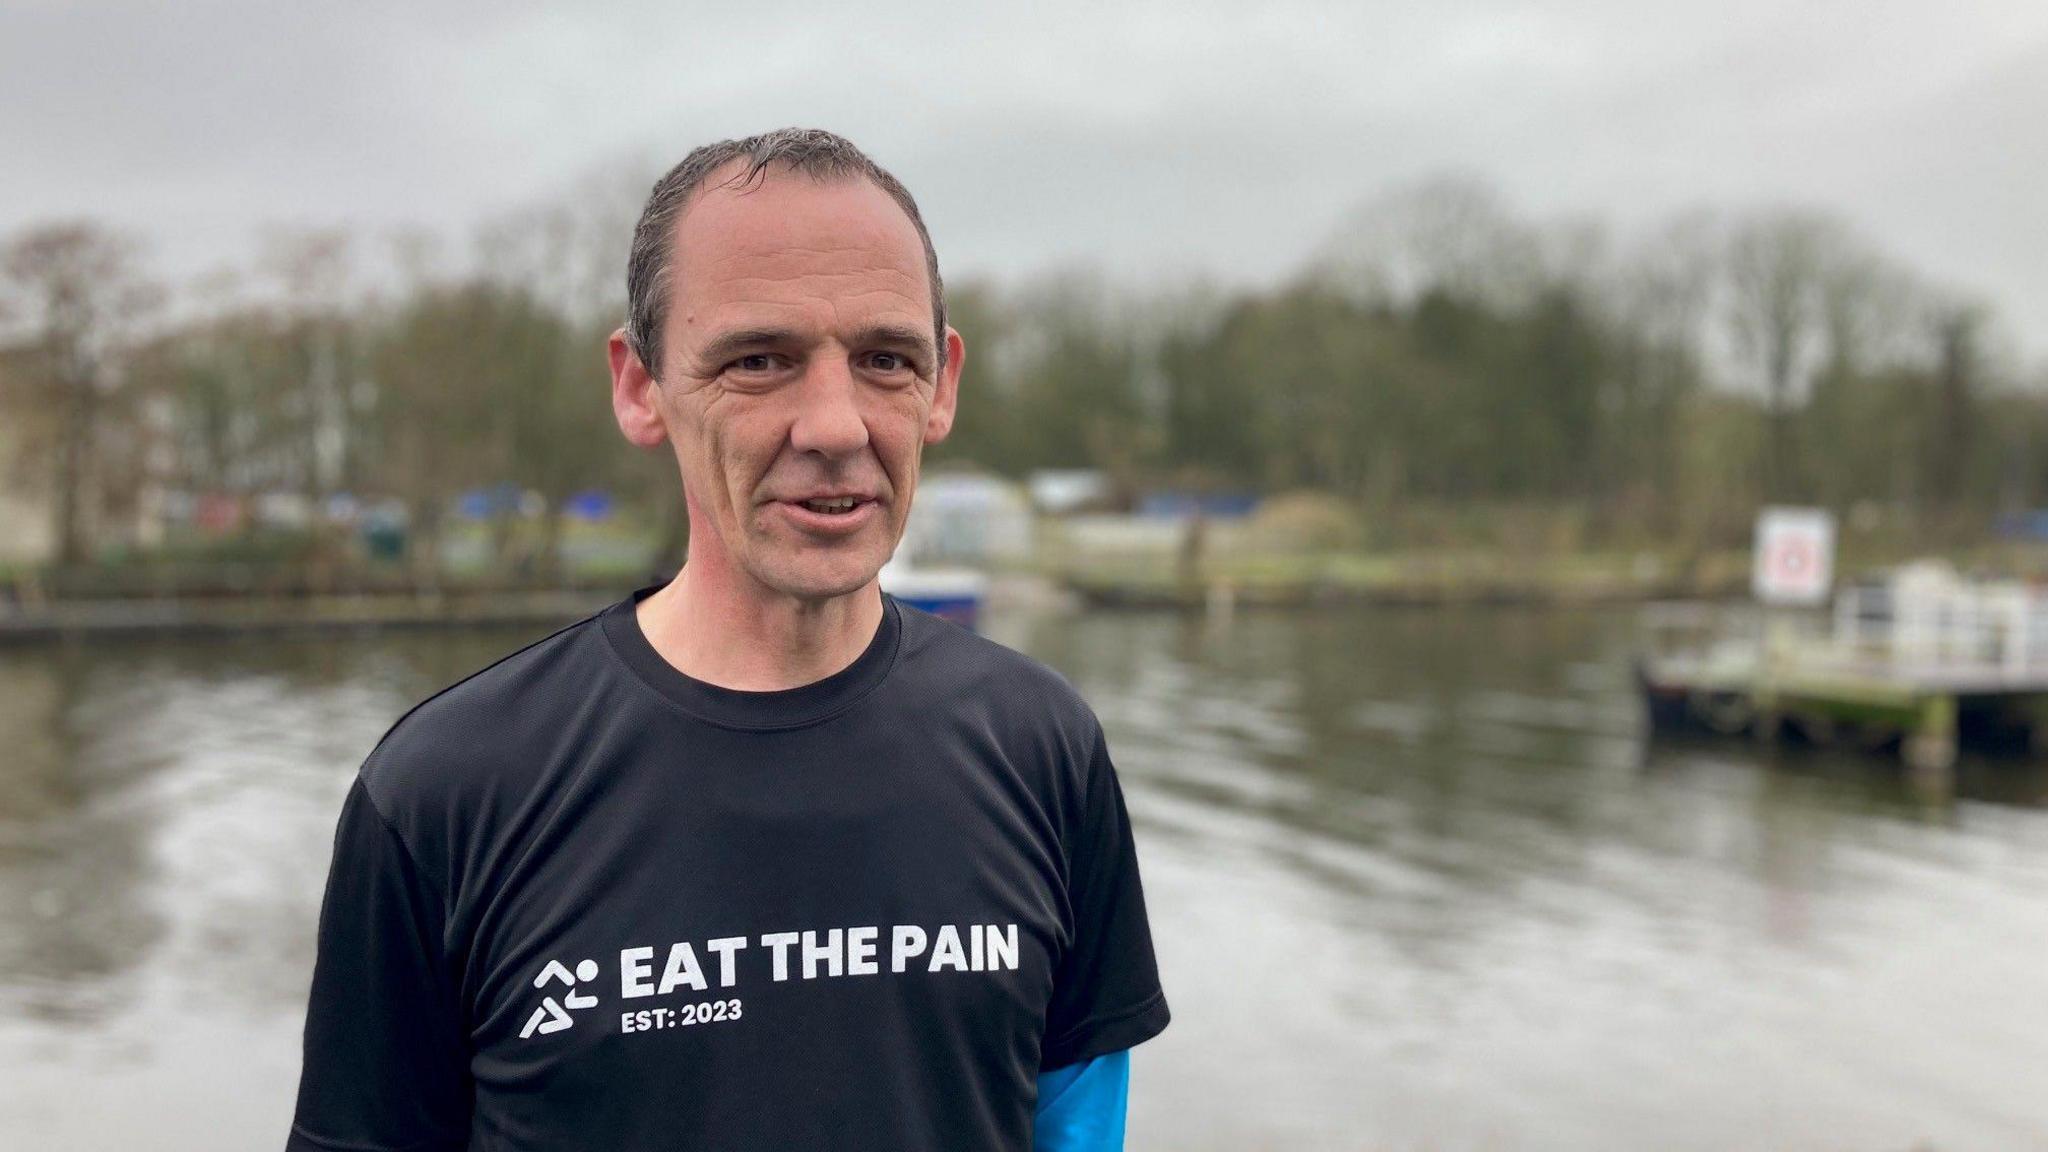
[{"x": 761, "y": 711}]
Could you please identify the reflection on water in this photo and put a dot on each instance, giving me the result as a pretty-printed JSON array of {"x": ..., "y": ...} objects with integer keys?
[{"x": 1416, "y": 879}]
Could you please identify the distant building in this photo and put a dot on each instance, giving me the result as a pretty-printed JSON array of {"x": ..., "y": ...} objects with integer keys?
[
  {"x": 1175, "y": 504},
  {"x": 26, "y": 517},
  {"x": 968, "y": 518},
  {"x": 1059, "y": 491},
  {"x": 1118, "y": 535},
  {"x": 25, "y": 536}
]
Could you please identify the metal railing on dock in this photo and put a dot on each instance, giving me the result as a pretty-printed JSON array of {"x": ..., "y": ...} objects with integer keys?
[{"x": 1901, "y": 658}]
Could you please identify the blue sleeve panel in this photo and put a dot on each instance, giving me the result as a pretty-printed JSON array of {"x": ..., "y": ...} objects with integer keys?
[{"x": 1081, "y": 1106}]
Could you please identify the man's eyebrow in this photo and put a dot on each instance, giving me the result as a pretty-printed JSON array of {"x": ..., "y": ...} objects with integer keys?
[
  {"x": 726, "y": 345},
  {"x": 895, "y": 335}
]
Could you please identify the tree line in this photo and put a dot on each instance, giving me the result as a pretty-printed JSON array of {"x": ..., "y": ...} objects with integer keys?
[
  {"x": 1442, "y": 353},
  {"x": 1439, "y": 353}
]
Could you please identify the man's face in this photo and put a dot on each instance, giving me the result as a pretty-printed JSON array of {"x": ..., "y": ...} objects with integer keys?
[{"x": 798, "y": 366}]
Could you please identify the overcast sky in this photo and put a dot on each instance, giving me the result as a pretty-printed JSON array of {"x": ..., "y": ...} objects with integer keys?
[{"x": 1151, "y": 141}]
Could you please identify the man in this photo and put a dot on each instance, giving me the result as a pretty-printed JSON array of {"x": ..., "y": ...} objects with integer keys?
[{"x": 758, "y": 859}]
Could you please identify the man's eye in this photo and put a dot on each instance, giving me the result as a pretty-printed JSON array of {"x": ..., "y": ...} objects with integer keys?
[
  {"x": 889, "y": 362},
  {"x": 758, "y": 362}
]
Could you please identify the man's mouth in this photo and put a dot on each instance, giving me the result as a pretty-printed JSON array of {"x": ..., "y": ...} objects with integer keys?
[{"x": 837, "y": 506}]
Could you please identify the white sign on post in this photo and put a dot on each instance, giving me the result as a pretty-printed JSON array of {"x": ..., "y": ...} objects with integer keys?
[{"x": 1795, "y": 556}]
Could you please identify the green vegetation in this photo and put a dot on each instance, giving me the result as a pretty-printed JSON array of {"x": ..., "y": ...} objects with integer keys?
[
  {"x": 1449, "y": 396},
  {"x": 1459, "y": 378}
]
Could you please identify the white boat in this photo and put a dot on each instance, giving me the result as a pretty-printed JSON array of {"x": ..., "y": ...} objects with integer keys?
[{"x": 956, "y": 594}]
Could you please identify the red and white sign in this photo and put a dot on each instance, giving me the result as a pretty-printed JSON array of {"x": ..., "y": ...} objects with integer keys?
[{"x": 1795, "y": 556}]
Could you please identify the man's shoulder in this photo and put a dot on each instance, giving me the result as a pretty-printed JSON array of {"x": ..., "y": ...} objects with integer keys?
[
  {"x": 941, "y": 657},
  {"x": 465, "y": 735}
]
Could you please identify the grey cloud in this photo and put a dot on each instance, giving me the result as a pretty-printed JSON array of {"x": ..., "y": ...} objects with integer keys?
[{"x": 1148, "y": 139}]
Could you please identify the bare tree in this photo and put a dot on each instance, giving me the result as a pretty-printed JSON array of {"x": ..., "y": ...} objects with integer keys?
[
  {"x": 1450, "y": 233},
  {"x": 569, "y": 253},
  {"x": 1958, "y": 332},
  {"x": 1658, "y": 301},
  {"x": 317, "y": 354},
  {"x": 78, "y": 294},
  {"x": 1776, "y": 265}
]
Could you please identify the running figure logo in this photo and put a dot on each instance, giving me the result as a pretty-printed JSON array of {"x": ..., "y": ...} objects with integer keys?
[{"x": 550, "y": 1017}]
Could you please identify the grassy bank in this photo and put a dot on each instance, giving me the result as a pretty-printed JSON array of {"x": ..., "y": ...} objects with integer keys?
[
  {"x": 1445, "y": 576},
  {"x": 1436, "y": 577}
]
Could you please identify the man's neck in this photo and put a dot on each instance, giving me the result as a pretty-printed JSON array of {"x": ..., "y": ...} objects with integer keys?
[{"x": 724, "y": 633}]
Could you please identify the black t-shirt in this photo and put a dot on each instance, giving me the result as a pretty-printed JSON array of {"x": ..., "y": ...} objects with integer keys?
[{"x": 583, "y": 901}]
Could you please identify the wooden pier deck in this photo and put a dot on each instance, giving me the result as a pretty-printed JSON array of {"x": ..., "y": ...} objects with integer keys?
[{"x": 1925, "y": 690}]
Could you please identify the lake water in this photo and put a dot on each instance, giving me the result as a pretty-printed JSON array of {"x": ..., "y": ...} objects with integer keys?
[{"x": 1417, "y": 880}]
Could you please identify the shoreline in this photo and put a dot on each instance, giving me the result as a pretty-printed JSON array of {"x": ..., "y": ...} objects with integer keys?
[
  {"x": 1116, "y": 584},
  {"x": 201, "y": 615},
  {"x": 224, "y": 615},
  {"x": 1226, "y": 594}
]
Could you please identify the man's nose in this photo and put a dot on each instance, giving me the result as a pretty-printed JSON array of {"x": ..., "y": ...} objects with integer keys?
[{"x": 828, "y": 419}]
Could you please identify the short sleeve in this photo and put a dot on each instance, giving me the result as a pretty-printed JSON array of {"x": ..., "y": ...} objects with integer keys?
[
  {"x": 1106, "y": 994},
  {"x": 386, "y": 1060}
]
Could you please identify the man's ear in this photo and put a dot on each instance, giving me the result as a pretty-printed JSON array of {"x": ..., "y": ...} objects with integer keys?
[
  {"x": 939, "y": 422},
  {"x": 634, "y": 395}
]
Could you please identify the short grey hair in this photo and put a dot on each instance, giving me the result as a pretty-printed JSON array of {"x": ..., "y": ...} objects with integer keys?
[{"x": 820, "y": 155}]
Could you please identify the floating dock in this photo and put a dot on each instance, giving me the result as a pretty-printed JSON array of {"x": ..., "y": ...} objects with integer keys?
[{"x": 1922, "y": 663}]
